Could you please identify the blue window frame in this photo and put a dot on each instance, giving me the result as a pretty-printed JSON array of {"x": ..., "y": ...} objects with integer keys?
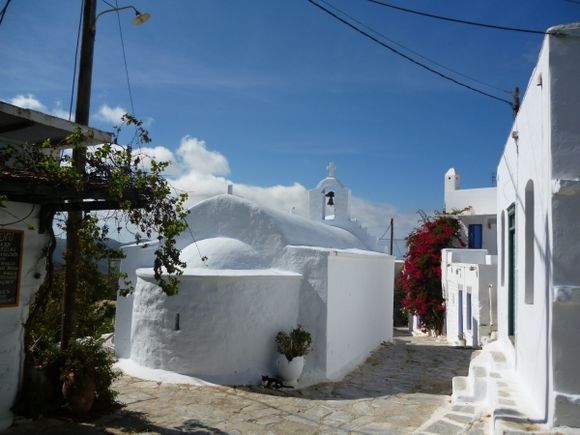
[{"x": 475, "y": 236}]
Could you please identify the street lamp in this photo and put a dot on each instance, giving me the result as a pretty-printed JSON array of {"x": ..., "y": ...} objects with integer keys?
[
  {"x": 74, "y": 219},
  {"x": 140, "y": 17}
]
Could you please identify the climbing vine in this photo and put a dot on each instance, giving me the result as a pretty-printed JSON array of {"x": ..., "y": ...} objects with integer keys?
[
  {"x": 132, "y": 197},
  {"x": 421, "y": 276},
  {"x": 143, "y": 200}
]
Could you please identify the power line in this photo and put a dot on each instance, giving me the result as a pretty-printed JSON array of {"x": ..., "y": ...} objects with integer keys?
[
  {"x": 3, "y": 11},
  {"x": 409, "y": 58},
  {"x": 457, "y": 20},
  {"x": 414, "y": 52},
  {"x": 72, "y": 90},
  {"x": 125, "y": 60}
]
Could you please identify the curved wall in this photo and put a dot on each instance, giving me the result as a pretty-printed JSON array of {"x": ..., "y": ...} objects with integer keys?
[{"x": 226, "y": 327}]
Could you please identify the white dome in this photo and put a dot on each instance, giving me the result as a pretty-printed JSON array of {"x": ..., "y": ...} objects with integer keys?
[{"x": 222, "y": 253}]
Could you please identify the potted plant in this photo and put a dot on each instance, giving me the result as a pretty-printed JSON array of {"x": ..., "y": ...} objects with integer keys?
[
  {"x": 292, "y": 347},
  {"x": 87, "y": 374}
]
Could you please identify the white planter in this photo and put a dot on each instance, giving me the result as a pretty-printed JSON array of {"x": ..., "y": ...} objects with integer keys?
[{"x": 290, "y": 371}]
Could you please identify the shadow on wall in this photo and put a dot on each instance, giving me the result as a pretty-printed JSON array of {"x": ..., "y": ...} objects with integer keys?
[{"x": 405, "y": 366}]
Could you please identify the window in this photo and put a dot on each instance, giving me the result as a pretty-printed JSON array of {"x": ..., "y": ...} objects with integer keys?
[
  {"x": 475, "y": 239},
  {"x": 530, "y": 242}
]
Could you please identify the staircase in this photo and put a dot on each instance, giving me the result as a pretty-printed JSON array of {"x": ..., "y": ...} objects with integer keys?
[{"x": 492, "y": 387}]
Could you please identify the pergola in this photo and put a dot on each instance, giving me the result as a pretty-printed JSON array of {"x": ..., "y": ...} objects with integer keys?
[{"x": 19, "y": 126}]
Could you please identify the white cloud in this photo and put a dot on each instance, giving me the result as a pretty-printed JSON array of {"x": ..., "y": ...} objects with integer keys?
[
  {"x": 200, "y": 172},
  {"x": 195, "y": 156},
  {"x": 28, "y": 101},
  {"x": 110, "y": 114}
]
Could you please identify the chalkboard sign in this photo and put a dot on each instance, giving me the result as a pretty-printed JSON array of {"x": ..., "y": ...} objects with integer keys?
[{"x": 10, "y": 265}]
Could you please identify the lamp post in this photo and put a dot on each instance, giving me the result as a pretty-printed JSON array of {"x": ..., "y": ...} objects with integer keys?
[{"x": 74, "y": 219}]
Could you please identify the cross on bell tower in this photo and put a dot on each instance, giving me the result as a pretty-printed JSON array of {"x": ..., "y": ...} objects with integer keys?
[{"x": 331, "y": 167}]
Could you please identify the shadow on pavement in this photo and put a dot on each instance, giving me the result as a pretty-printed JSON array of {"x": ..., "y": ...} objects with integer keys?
[
  {"x": 131, "y": 422},
  {"x": 121, "y": 421}
]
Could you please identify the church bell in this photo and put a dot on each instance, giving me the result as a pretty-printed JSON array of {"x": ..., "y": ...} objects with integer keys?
[{"x": 330, "y": 196}]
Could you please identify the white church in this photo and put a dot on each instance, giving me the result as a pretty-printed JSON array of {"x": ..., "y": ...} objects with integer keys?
[{"x": 251, "y": 272}]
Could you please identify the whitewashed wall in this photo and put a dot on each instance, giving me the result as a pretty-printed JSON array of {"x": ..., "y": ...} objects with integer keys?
[
  {"x": 360, "y": 308},
  {"x": 346, "y": 301},
  {"x": 544, "y": 147},
  {"x": 220, "y": 328},
  {"x": 12, "y": 319},
  {"x": 136, "y": 256}
]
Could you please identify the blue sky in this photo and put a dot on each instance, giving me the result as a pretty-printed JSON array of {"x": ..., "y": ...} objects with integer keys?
[{"x": 266, "y": 92}]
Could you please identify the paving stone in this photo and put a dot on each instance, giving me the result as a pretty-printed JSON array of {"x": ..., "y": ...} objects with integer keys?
[
  {"x": 395, "y": 391},
  {"x": 467, "y": 409},
  {"x": 458, "y": 418},
  {"x": 444, "y": 428}
]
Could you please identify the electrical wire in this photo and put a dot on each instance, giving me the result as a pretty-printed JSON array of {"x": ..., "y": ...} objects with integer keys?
[
  {"x": 3, "y": 11},
  {"x": 74, "y": 80},
  {"x": 414, "y": 52},
  {"x": 125, "y": 60},
  {"x": 407, "y": 57},
  {"x": 459, "y": 21}
]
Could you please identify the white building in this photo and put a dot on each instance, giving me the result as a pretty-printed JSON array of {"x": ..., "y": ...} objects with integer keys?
[
  {"x": 479, "y": 222},
  {"x": 469, "y": 281},
  {"x": 536, "y": 358},
  {"x": 265, "y": 271},
  {"x": 468, "y": 276}
]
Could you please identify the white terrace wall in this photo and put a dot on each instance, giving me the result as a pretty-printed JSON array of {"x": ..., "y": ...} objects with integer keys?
[
  {"x": 538, "y": 177},
  {"x": 21, "y": 217}
]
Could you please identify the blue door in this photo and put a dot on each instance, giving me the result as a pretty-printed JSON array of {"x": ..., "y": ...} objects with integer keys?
[{"x": 475, "y": 238}]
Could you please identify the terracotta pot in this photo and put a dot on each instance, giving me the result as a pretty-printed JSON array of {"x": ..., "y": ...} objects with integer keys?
[
  {"x": 80, "y": 392},
  {"x": 290, "y": 371}
]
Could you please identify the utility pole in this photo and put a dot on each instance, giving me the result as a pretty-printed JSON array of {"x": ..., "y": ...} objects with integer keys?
[
  {"x": 74, "y": 220},
  {"x": 392, "y": 235}
]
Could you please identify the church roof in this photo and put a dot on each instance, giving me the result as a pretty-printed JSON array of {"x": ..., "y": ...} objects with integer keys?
[{"x": 235, "y": 233}]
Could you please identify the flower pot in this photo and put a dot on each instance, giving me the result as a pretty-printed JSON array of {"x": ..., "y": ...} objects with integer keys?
[
  {"x": 80, "y": 392},
  {"x": 290, "y": 371}
]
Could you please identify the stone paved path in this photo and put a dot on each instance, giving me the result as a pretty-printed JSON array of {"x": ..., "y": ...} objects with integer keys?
[{"x": 403, "y": 387}]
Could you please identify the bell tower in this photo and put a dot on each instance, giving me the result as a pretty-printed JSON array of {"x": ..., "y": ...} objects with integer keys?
[{"x": 330, "y": 199}]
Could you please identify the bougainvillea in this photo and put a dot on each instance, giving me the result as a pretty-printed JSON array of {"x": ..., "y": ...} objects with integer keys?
[{"x": 421, "y": 276}]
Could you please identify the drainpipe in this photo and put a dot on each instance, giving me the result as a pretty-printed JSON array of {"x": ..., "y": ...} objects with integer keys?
[{"x": 491, "y": 313}]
